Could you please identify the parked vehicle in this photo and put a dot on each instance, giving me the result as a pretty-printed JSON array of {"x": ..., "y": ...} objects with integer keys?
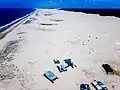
[
  {"x": 61, "y": 68},
  {"x": 107, "y": 68},
  {"x": 84, "y": 87},
  {"x": 50, "y": 76},
  {"x": 98, "y": 85}
]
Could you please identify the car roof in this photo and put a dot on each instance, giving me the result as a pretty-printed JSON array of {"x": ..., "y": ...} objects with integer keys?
[{"x": 50, "y": 75}]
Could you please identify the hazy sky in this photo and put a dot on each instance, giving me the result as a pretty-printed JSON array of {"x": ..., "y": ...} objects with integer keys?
[{"x": 60, "y": 3}]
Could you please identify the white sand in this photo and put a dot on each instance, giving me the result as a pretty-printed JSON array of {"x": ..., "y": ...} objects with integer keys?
[{"x": 89, "y": 40}]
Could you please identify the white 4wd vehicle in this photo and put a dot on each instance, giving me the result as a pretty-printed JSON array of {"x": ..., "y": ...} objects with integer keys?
[{"x": 99, "y": 85}]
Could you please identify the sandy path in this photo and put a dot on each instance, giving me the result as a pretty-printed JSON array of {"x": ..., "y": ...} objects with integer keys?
[{"x": 89, "y": 40}]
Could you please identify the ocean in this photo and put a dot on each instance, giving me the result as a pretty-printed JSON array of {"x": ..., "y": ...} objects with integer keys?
[
  {"x": 8, "y": 15},
  {"x": 101, "y": 12}
]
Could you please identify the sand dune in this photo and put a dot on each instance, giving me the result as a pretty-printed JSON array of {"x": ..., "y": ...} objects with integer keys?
[{"x": 89, "y": 40}]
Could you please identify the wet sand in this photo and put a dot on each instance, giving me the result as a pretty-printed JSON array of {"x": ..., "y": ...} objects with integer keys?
[{"x": 89, "y": 40}]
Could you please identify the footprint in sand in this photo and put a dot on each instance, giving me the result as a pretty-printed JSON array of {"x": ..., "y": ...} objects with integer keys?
[
  {"x": 21, "y": 32},
  {"x": 116, "y": 52},
  {"x": 89, "y": 73}
]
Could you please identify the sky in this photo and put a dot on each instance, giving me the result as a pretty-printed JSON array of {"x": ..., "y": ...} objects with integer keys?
[{"x": 59, "y": 3}]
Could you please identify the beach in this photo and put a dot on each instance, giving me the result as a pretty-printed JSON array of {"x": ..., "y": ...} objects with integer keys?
[{"x": 89, "y": 40}]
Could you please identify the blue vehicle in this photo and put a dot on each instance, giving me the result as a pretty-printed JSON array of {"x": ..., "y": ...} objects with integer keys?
[
  {"x": 69, "y": 62},
  {"x": 50, "y": 76},
  {"x": 84, "y": 87},
  {"x": 61, "y": 68}
]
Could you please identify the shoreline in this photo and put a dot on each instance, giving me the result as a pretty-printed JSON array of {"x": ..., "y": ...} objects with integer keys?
[{"x": 2, "y": 28}]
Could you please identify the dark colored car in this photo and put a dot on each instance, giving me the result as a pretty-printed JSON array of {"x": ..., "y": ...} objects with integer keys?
[
  {"x": 107, "y": 68},
  {"x": 84, "y": 87}
]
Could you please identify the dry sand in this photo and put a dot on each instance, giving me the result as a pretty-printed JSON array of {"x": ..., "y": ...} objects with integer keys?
[{"x": 89, "y": 40}]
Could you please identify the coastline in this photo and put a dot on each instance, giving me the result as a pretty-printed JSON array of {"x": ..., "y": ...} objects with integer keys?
[{"x": 4, "y": 30}]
